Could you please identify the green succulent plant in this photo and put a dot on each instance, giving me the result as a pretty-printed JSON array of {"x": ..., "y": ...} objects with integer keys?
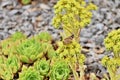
[
  {"x": 44, "y": 36},
  {"x": 42, "y": 66},
  {"x": 1, "y": 59},
  {"x": 8, "y": 67},
  {"x": 112, "y": 42},
  {"x": 60, "y": 71},
  {"x": 14, "y": 63},
  {"x": 8, "y": 45},
  {"x": 112, "y": 65},
  {"x": 5, "y": 45},
  {"x": 29, "y": 74},
  {"x": 29, "y": 50},
  {"x": 5, "y": 72},
  {"x": 17, "y": 36},
  {"x": 52, "y": 53},
  {"x": 25, "y": 2}
]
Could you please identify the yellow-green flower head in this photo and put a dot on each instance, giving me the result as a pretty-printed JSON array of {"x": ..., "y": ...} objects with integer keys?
[
  {"x": 68, "y": 49},
  {"x": 112, "y": 42},
  {"x": 110, "y": 61},
  {"x": 72, "y": 13},
  {"x": 112, "y": 65}
]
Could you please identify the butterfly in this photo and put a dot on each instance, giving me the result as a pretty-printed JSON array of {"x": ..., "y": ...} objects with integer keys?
[{"x": 68, "y": 40}]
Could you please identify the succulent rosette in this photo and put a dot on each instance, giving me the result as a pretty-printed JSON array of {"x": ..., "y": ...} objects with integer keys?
[
  {"x": 60, "y": 71},
  {"x": 29, "y": 50},
  {"x": 52, "y": 53},
  {"x": 8, "y": 67},
  {"x": 8, "y": 45},
  {"x": 13, "y": 63},
  {"x": 29, "y": 74},
  {"x": 17, "y": 36},
  {"x": 5, "y": 72},
  {"x": 42, "y": 66},
  {"x": 44, "y": 36}
]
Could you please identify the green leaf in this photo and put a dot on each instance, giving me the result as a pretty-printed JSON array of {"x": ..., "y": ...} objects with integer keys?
[
  {"x": 24, "y": 59},
  {"x": 33, "y": 57}
]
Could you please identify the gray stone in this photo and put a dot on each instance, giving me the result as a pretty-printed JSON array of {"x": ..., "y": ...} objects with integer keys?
[
  {"x": 99, "y": 26},
  {"x": 94, "y": 31},
  {"x": 118, "y": 20},
  {"x": 11, "y": 31},
  {"x": 99, "y": 39},
  {"x": 55, "y": 36},
  {"x": 44, "y": 6},
  {"x": 86, "y": 34},
  {"x": 5, "y": 3},
  {"x": 109, "y": 15},
  {"x": 13, "y": 12},
  {"x": 99, "y": 57},
  {"x": 114, "y": 26},
  {"x": 27, "y": 33},
  {"x": 82, "y": 39},
  {"x": 1, "y": 37},
  {"x": 89, "y": 60},
  {"x": 35, "y": 13},
  {"x": 90, "y": 45},
  {"x": 25, "y": 13},
  {"x": 26, "y": 7}
]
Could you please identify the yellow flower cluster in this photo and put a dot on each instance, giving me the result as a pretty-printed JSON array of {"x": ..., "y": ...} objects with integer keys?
[
  {"x": 112, "y": 65},
  {"x": 71, "y": 51},
  {"x": 111, "y": 62},
  {"x": 68, "y": 49},
  {"x": 72, "y": 14},
  {"x": 112, "y": 42}
]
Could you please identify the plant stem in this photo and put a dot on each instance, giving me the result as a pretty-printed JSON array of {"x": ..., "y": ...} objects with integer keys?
[{"x": 74, "y": 72}]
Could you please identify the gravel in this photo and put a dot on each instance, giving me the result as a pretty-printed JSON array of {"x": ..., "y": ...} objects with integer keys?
[{"x": 34, "y": 18}]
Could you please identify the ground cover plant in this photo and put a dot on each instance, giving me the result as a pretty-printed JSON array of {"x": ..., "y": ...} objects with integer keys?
[{"x": 41, "y": 58}]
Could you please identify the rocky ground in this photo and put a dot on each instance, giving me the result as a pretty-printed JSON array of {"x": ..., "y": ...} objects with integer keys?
[{"x": 36, "y": 17}]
